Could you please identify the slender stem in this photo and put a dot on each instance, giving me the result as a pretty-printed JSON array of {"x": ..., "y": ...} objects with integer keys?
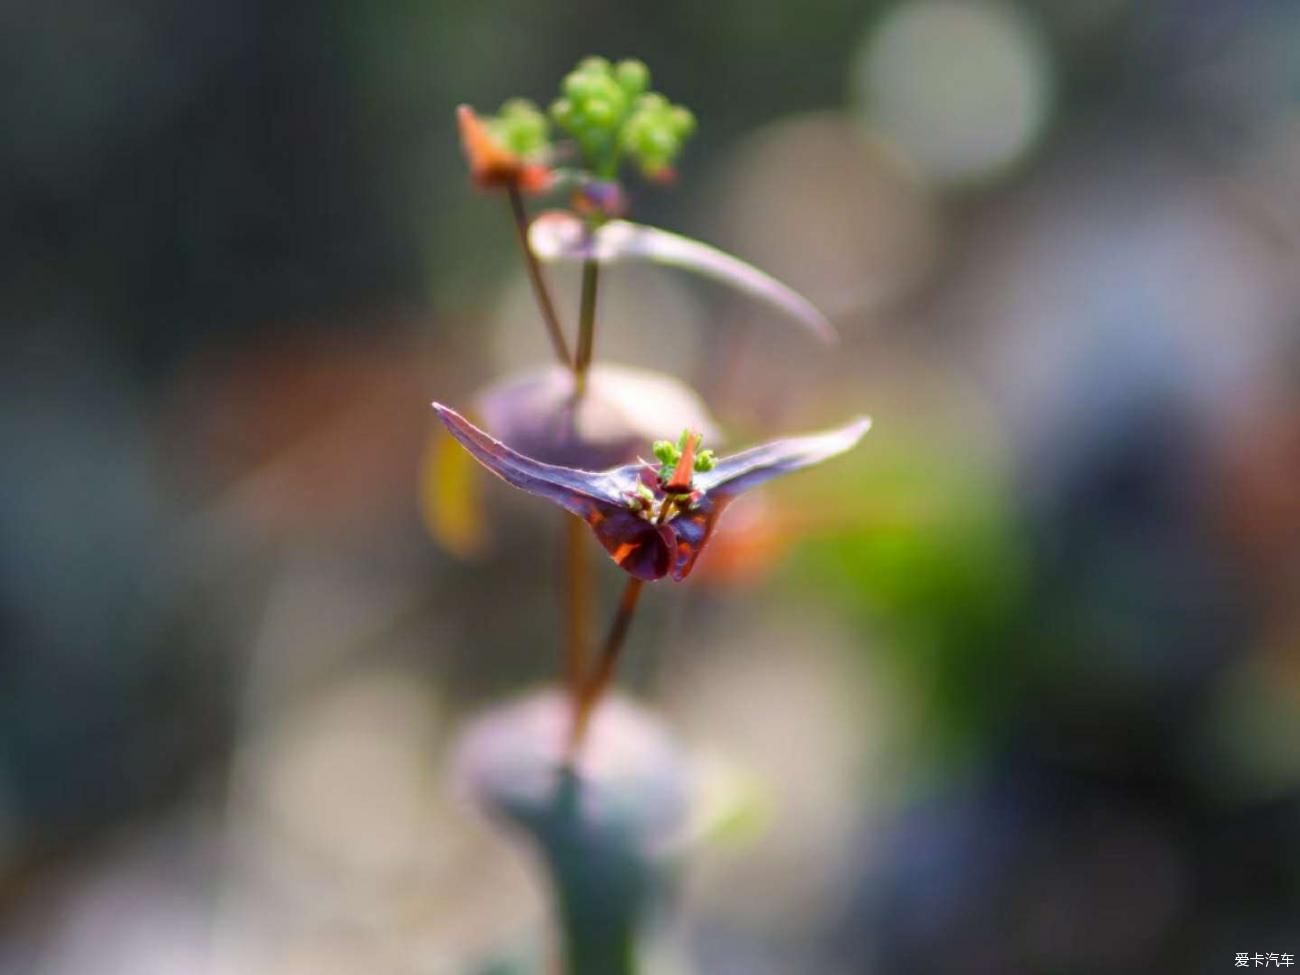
[
  {"x": 599, "y": 681},
  {"x": 540, "y": 290},
  {"x": 578, "y": 604},
  {"x": 579, "y": 576},
  {"x": 586, "y": 323}
]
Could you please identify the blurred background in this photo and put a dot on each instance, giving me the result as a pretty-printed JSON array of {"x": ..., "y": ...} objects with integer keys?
[{"x": 1015, "y": 687}]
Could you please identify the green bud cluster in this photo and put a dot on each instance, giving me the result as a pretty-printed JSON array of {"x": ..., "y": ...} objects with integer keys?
[
  {"x": 522, "y": 128},
  {"x": 655, "y": 133},
  {"x": 610, "y": 112},
  {"x": 669, "y": 453}
]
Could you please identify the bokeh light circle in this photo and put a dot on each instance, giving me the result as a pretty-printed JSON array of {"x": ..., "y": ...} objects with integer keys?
[{"x": 963, "y": 88}]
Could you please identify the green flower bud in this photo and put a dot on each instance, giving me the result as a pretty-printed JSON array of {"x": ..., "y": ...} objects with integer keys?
[
  {"x": 682, "y": 121},
  {"x": 665, "y": 452},
  {"x": 562, "y": 111},
  {"x": 610, "y": 88},
  {"x": 577, "y": 85},
  {"x": 633, "y": 76},
  {"x": 705, "y": 461},
  {"x": 520, "y": 127},
  {"x": 517, "y": 107},
  {"x": 599, "y": 113},
  {"x": 651, "y": 103},
  {"x": 660, "y": 143}
]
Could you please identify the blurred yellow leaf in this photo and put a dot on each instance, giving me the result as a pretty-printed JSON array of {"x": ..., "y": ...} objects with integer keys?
[{"x": 449, "y": 497}]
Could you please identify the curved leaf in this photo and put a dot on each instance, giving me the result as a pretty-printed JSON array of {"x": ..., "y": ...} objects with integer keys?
[
  {"x": 752, "y": 467},
  {"x": 560, "y": 236},
  {"x": 576, "y": 490}
]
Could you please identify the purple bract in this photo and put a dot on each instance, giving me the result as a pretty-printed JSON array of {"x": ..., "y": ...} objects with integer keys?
[{"x": 648, "y": 531}]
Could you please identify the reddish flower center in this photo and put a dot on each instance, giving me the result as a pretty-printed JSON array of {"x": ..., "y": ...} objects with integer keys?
[{"x": 680, "y": 482}]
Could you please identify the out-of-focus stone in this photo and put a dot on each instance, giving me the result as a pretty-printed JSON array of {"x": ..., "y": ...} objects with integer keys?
[{"x": 623, "y": 411}]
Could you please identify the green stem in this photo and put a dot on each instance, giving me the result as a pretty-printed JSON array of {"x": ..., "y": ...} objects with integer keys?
[
  {"x": 586, "y": 324},
  {"x": 599, "y": 949},
  {"x": 540, "y": 290},
  {"x": 603, "y": 878}
]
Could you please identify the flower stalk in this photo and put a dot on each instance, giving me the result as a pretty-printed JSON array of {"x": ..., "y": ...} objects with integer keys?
[
  {"x": 541, "y": 292},
  {"x": 601, "y": 817},
  {"x": 586, "y": 325},
  {"x": 577, "y": 604},
  {"x": 594, "y": 688}
]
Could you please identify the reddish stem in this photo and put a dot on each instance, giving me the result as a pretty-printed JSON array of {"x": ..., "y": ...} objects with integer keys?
[
  {"x": 595, "y": 688},
  {"x": 578, "y": 604},
  {"x": 540, "y": 290}
]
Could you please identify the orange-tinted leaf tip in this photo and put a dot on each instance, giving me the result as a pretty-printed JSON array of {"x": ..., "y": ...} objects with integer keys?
[{"x": 491, "y": 165}]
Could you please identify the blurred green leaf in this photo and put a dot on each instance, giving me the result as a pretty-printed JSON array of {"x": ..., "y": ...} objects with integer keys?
[{"x": 940, "y": 580}]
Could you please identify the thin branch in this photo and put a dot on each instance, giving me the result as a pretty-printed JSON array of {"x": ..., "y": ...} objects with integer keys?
[
  {"x": 540, "y": 290},
  {"x": 586, "y": 323},
  {"x": 578, "y": 604},
  {"x": 599, "y": 682}
]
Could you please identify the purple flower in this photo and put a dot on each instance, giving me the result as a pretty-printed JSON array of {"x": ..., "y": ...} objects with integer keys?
[{"x": 652, "y": 525}]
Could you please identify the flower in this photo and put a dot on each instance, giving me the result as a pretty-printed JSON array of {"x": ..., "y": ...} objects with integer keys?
[
  {"x": 654, "y": 525},
  {"x": 501, "y": 152},
  {"x": 539, "y": 414}
]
